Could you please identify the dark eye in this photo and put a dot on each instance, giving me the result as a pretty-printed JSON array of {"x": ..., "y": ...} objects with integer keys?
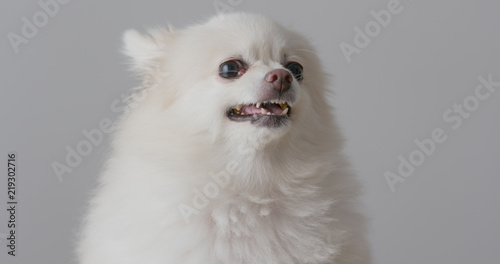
[
  {"x": 231, "y": 69},
  {"x": 296, "y": 70}
]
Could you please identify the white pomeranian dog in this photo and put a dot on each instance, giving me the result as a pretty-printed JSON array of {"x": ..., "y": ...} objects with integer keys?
[{"x": 231, "y": 155}]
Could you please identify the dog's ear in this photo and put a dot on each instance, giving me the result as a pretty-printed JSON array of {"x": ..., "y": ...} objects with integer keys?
[{"x": 147, "y": 52}]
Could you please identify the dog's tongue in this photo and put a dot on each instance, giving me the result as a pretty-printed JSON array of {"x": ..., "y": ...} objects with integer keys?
[{"x": 252, "y": 109}]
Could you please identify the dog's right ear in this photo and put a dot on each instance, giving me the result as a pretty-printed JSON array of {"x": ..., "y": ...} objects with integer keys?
[{"x": 146, "y": 51}]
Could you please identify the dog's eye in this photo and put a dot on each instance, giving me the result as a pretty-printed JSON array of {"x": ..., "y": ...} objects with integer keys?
[
  {"x": 296, "y": 70},
  {"x": 231, "y": 69}
]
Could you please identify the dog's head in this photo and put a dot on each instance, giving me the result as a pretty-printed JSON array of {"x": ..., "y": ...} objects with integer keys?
[{"x": 234, "y": 76}]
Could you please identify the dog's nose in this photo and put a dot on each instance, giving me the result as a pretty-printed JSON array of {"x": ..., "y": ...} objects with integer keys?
[{"x": 279, "y": 79}]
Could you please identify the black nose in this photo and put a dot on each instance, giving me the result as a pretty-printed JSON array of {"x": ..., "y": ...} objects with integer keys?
[{"x": 279, "y": 79}]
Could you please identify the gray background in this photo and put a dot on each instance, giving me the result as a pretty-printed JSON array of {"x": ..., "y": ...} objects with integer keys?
[{"x": 395, "y": 91}]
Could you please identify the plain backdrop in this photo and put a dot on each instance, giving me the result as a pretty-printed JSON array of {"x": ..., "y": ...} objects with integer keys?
[{"x": 394, "y": 91}]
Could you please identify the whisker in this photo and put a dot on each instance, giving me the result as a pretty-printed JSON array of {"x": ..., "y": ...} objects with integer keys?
[{"x": 311, "y": 51}]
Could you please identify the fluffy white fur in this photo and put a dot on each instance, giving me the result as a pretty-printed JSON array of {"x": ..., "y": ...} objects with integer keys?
[{"x": 282, "y": 195}]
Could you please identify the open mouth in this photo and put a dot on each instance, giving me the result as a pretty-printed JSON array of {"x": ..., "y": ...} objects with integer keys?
[{"x": 271, "y": 113}]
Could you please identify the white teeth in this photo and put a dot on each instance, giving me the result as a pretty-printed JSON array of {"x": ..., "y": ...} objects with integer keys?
[
  {"x": 263, "y": 111},
  {"x": 268, "y": 113},
  {"x": 258, "y": 105},
  {"x": 285, "y": 111},
  {"x": 238, "y": 107}
]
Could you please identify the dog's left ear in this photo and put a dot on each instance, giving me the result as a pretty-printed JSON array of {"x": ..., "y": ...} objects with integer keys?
[{"x": 147, "y": 52}]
